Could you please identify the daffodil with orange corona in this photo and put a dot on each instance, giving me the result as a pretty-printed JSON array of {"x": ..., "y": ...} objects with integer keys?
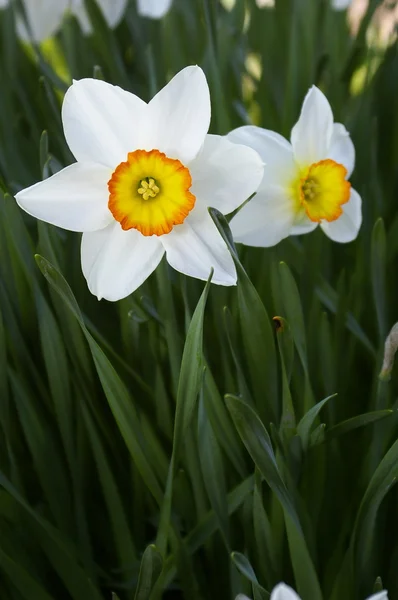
[
  {"x": 305, "y": 183},
  {"x": 143, "y": 181}
]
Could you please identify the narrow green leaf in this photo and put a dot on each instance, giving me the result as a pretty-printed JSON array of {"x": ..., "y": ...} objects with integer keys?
[
  {"x": 117, "y": 395},
  {"x": 57, "y": 373},
  {"x": 21, "y": 579},
  {"x": 257, "y": 441},
  {"x": 212, "y": 469},
  {"x": 293, "y": 312},
  {"x": 358, "y": 556},
  {"x": 206, "y": 527},
  {"x": 356, "y": 422},
  {"x": 47, "y": 458},
  {"x": 76, "y": 581},
  {"x": 222, "y": 424},
  {"x": 329, "y": 298},
  {"x": 257, "y": 332},
  {"x": 286, "y": 352},
  {"x": 121, "y": 530},
  {"x": 191, "y": 372},
  {"x": 378, "y": 268},
  {"x": 151, "y": 567},
  {"x": 243, "y": 565},
  {"x": 305, "y": 425},
  {"x": 43, "y": 151},
  {"x": 266, "y": 547},
  {"x": 189, "y": 383}
]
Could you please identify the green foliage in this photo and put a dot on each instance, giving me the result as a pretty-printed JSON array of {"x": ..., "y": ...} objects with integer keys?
[{"x": 181, "y": 443}]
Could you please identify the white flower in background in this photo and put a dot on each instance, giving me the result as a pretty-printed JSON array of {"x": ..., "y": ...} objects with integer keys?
[
  {"x": 284, "y": 592},
  {"x": 112, "y": 10},
  {"x": 44, "y": 18},
  {"x": 265, "y": 3},
  {"x": 341, "y": 4},
  {"x": 144, "y": 177},
  {"x": 154, "y": 9},
  {"x": 280, "y": 592},
  {"x": 305, "y": 181}
]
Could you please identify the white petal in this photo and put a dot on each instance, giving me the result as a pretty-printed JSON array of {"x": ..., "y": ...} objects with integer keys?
[
  {"x": 302, "y": 224},
  {"x": 341, "y": 148},
  {"x": 113, "y": 11},
  {"x": 102, "y": 122},
  {"x": 4, "y": 3},
  {"x": 346, "y": 228},
  {"x": 312, "y": 133},
  {"x": 154, "y": 9},
  {"x": 341, "y": 4},
  {"x": 380, "y": 596},
  {"x": 76, "y": 198},
  {"x": 242, "y": 597},
  {"x": 283, "y": 592},
  {"x": 225, "y": 174},
  {"x": 195, "y": 247},
  {"x": 79, "y": 11},
  {"x": 180, "y": 115},
  {"x": 276, "y": 152},
  {"x": 117, "y": 262},
  {"x": 266, "y": 219},
  {"x": 44, "y": 19}
]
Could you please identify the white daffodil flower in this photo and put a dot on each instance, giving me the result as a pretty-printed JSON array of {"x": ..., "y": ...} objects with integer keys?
[
  {"x": 305, "y": 181},
  {"x": 284, "y": 592},
  {"x": 341, "y": 4},
  {"x": 144, "y": 177},
  {"x": 154, "y": 9},
  {"x": 112, "y": 10}
]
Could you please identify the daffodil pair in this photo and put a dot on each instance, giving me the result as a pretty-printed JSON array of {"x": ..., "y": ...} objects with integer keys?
[
  {"x": 284, "y": 592},
  {"x": 146, "y": 174},
  {"x": 44, "y": 17}
]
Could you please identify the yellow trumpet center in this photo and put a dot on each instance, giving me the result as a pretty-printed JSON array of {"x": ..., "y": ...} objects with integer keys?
[
  {"x": 150, "y": 192},
  {"x": 322, "y": 189}
]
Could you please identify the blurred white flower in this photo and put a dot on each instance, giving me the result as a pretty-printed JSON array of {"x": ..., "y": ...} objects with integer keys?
[
  {"x": 112, "y": 10},
  {"x": 305, "y": 181},
  {"x": 284, "y": 592},
  {"x": 144, "y": 177},
  {"x": 265, "y": 3},
  {"x": 154, "y": 9},
  {"x": 341, "y": 4},
  {"x": 44, "y": 18}
]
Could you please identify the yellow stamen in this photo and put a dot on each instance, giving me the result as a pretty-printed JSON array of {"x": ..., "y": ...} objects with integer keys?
[{"x": 148, "y": 189}]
